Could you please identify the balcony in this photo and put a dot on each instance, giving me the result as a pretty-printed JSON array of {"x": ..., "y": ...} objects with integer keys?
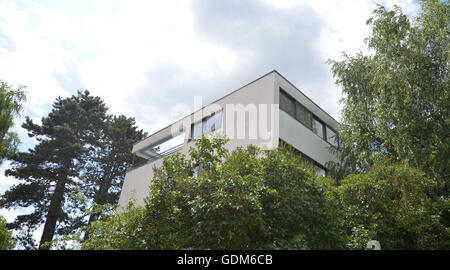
[
  {"x": 156, "y": 156},
  {"x": 160, "y": 148}
]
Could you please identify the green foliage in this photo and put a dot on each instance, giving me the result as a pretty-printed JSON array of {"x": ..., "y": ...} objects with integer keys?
[
  {"x": 119, "y": 229},
  {"x": 6, "y": 241},
  {"x": 108, "y": 160},
  {"x": 214, "y": 199},
  {"x": 80, "y": 150},
  {"x": 11, "y": 102},
  {"x": 258, "y": 199},
  {"x": 397, "y": 100},
  {"x": 394, "y": 205},
  {"x": 358, "y": 238},
  {"x": 48, "y": 172}
]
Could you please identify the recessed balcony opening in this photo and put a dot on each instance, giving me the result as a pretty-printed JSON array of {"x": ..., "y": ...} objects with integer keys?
[{"x": 160, "y": 149}]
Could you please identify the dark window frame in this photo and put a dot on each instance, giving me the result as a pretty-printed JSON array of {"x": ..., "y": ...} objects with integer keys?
[
  {"x": 293, "y": 102},
  {"x": 326, "y": 136},
  {"x": 324, "y": 132},
  {"x": 204, "y": 119},
  {"x": 312, "y": 116},
  {"x": 304, "y": 156}
]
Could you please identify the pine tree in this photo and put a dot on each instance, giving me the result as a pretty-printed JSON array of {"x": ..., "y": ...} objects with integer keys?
[
  {"x": 49, "y": 172},
  {"x": 109, "y": 161}
]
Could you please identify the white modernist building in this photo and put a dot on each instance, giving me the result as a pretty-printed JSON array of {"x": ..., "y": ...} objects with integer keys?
[{"x": 263, "y": 113}]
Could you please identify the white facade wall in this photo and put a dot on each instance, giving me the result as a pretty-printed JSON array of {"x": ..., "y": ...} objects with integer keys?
[{"x": 261, "y": 92}]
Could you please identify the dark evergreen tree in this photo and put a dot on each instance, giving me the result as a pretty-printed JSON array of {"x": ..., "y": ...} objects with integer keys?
[
  {"x": 49, "y": 173},
  {"x": 109, "y": 160}
]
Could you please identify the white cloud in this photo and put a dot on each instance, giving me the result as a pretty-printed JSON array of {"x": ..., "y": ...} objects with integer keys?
[
  {"x": 113, "y": 46},
  {"x": 5, "y": 181},
  {"x": 345, "y": 31},
  {"x": 31, "y": 59}
]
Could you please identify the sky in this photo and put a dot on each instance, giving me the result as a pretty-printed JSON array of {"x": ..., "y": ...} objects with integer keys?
[{"x": 142, "y": 57}]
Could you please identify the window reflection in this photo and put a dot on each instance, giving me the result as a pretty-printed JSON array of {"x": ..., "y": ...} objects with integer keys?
[
  {"x": 317, "y": 127},
  {"x": 331, "y": 137},
  {"x": 207, "y": 125}
]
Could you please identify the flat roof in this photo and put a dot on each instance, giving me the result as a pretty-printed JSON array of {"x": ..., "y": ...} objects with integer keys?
[{"x": 273, "y": 71}]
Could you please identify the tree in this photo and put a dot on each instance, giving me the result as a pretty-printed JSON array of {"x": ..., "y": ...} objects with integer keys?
[
  {"x": 393, "y": 204},
  {"x": 79, "y": 162},
  {"x": 6, "y": 241},
  {"x": 217, "y": 199},
  {"x": 263, "y": 199},
  {"x": 397, "y": 100},
  {"x": 11, "y": 102},
  {"x": 109, "y": 161},
  {"x": 50, "y": 171}
]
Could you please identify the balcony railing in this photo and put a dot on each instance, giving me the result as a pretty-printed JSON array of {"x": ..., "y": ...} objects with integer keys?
[{"x": 157, "y": 156}]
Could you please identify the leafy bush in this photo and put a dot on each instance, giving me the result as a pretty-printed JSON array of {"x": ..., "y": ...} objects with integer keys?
[
  {"x": 259, "y": 199},
  {"x": 6, "y": 241},
  {"x": 393, "y": 204},
  {"x": 214, "y": 199}
]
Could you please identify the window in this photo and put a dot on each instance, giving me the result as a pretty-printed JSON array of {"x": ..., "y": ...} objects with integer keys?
[
  {"x": 287, "y": 104},
  {"x": 308, "y": 162},
  {"x": 303, "y": 115},
  {"x": 207, "y": 125},
  {"x": 317, "y": 127},
  {"x": 331, "y": 137},
  {"x": 168, "y": 144},
  {"x": 212, "y": 123},
  {"x": 196, "y": 130}
]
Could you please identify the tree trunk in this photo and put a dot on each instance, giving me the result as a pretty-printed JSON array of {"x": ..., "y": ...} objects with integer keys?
[{"x": 53, "y": 213}]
